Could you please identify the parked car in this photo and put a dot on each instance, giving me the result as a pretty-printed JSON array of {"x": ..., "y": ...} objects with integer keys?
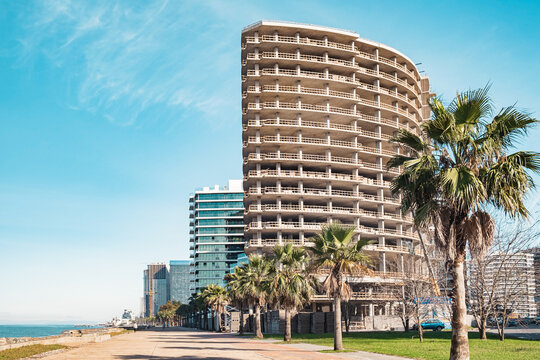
[{"x": 433, "y": 324}]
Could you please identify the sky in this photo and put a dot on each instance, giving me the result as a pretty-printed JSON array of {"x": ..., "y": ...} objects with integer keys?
[{"x": 113, "y": 112}]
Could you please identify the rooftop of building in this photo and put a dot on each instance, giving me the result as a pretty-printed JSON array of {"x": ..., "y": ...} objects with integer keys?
[
  {"x": 179, "y": 262},
  {"x": 232, "y": 186},
  {"x": 314, "y": 27}
]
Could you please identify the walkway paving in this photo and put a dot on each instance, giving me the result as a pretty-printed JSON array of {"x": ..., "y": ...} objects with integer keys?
[{"x": 188, "y": 344}]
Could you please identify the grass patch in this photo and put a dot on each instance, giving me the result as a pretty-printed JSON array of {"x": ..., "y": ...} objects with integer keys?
[
  {"x": 25, "y": 351},
  {"x": 436, "y": 345},
  {"x": 120, "y": 332}
]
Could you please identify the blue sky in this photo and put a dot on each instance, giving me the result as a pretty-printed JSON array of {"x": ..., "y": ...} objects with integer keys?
[{"x": 112, "y": 112}]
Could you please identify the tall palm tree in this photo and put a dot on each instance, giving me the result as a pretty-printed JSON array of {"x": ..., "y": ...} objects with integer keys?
[
  {"x": 201, "y": 298},
  {"x": 234, "y": 289},
  {"x": 196, "y": 305},
  {"x": 334, "y": 249},
  {"x": 291, "y": 286},
  {"x": 217, "y": 298},
  {"x": 453, "y": 170},
  {"x": 254, "y": 286}
]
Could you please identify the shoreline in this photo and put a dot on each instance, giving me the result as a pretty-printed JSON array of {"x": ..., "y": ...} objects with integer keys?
[{"x": 70, "y": 337}]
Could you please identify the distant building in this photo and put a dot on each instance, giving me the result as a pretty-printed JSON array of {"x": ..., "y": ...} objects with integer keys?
[
  {"x": 216, "y": 233},
  {"x": 155, "y": 288},
  {"x": 179, "y": 280},
  {"x": 512, "y": 274},
  {"x": 536, "y": 265}
]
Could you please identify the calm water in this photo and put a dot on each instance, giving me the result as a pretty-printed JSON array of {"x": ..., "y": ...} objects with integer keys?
[{"x": 34, "y": 330}]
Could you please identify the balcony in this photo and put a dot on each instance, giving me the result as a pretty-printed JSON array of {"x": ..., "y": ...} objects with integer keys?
[
  {"x": 363, "y": 230},
  {"x": 336, "y": 62},
  {"x": 329, "y": 126},
  {"x": 323, "y": 159},
  {"x": 299, "y": 40},
  {"x": 334, "y": 77},
  {"x": 303, "y": 57},
  {"x": 361, "y": 296},
  {"x": 328, "y": 210},
  {"x": 318, "y": 176},
  {"x": 316, "y": 141},
  {"x": 322, "y": 193},
  {"x": 300, "y": 90},
  {"x": 332, "y": 45}
]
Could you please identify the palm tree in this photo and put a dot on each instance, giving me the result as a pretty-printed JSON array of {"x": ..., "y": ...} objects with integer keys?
[
  {"x": 291, "y": 286},
  {"x": 452, "y": 171},
  {"x": 201, "y": 299},
  {"x": 335, "y": 250},
  {"x": 234, "y": 289},
  {"x": 217, "y": 299},
  {"x": 196, "y": 305},
  {"x": 254, "y": 286}
]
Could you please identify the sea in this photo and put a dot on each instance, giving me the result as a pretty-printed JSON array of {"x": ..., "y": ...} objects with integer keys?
[{"x": 36, "y": 330}]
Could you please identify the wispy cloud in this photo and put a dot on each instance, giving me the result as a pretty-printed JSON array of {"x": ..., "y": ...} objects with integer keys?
[{"x": 172, "y": 59}]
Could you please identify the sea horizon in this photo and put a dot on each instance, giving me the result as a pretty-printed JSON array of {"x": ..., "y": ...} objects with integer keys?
[{"x": 39, "y": 330}]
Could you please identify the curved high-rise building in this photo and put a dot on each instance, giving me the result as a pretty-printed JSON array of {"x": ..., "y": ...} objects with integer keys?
[{"x": 319, "y": 107}]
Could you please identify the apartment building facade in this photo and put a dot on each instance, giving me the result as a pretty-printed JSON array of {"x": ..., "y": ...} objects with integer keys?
[
  {"x": 511, "y": 276},
  {"x": 319, "y": 107},
  {"x": 216, "y": 233}
]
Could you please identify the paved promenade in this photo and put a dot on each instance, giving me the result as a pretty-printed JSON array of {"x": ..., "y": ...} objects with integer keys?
[{"x": 189, "y": 344}]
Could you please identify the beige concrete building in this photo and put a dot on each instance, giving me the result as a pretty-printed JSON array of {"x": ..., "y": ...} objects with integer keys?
[{"x": 319, "y": 106}]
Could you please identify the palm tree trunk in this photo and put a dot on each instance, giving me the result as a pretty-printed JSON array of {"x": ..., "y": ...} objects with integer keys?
[
  {"x": 241, "y": 328},
  {"x": 338, "y": 341},
  {"x": 287, "y": 336},
  {"x": 258, "y": 332},
  {"x": 218, "y": 321},
  {"x": 459, "y": 349}
]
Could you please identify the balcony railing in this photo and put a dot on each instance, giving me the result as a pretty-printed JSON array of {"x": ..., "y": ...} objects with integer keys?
[
  {"x": 362, "y": 296},
  {"x": 319, "y": 158},
  {"x": 317, "y": 141},
  {"x": 337, "y": 94},
  {"x": 317, "y": 175},
  {"x": 332, "y": 61},
  {"x": 327, "y": 209},
  {"x": 328, "y": 44},
  {"x": 331, "y": 126},
  {"x": 291, "y": 225},
  {"x": 298, "y": 40},
  {"x": 284, "y": 190}
]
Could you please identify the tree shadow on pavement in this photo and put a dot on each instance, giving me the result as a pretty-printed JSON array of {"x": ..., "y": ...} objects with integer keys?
[{"x": 186, "y": 357}]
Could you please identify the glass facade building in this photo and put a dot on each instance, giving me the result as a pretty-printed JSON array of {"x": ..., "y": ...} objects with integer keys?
[
  {"x": 216, "y": 233},
  {"x": 155, "y": 288},
  {"x": 179, "y": 280}
]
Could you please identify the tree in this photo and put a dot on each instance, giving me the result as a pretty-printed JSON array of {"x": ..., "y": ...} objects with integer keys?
[
  {"x": 167, "y": 312},
  {"x": 416, "y": 293},
  {"x": 497, "y": 281},
  {"x": 217, "y": 298},
  {"x": 234, "y": 289},
  {"x": 334, "y": 249},
  {"x": 291, "y": 286},
  {"x": 456, "y": 167},
  {"x": 196, "y": 305},
  {"x": 254, "y": 286}
]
